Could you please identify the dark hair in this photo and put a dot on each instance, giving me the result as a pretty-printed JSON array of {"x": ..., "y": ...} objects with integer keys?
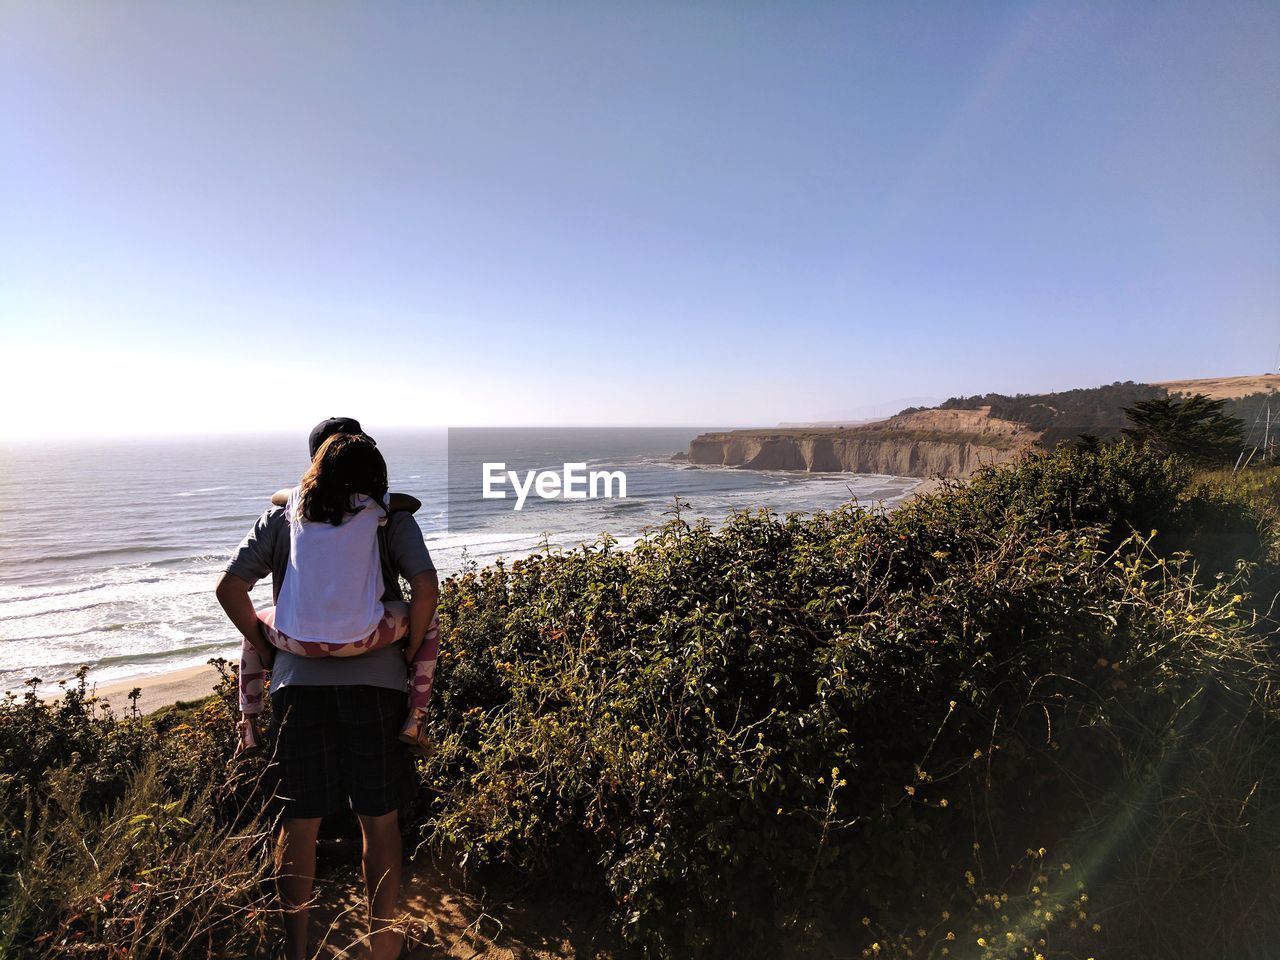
[{"x": 346, "y": 464}]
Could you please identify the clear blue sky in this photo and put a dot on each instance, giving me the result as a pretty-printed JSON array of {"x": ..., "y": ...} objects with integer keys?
[{"x": 233, "y": 216}]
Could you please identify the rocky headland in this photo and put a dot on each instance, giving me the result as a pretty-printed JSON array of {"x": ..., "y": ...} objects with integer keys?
[
  {"x": 964, "y": 433},
  {"x": 926, "y": 443}
]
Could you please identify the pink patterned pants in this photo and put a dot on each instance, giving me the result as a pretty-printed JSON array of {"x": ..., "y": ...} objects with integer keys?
[{"x": 393, "y": 626}]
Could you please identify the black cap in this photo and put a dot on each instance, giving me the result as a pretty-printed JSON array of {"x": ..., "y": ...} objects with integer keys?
[{"x": 325, "y": 429}]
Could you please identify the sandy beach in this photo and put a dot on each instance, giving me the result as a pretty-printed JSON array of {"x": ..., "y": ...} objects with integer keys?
[{"x": 160, "y": 690}]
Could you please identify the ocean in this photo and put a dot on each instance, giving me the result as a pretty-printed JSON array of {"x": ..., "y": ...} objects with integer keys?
[{"x": 109, "y": 551}]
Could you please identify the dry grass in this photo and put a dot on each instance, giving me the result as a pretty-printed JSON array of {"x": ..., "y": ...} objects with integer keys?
[
  {"x": 152, "y": 877},
  {"x": 1225, "y": 388}
]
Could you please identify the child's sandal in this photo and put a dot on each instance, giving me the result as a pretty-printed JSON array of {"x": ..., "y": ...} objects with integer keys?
[
  {"x": 249, "y": 737},
  {"x": 414, "y": 733}
]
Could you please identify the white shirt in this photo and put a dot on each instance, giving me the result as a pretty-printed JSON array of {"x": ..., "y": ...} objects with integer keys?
[{"x": 332, "y": 592}]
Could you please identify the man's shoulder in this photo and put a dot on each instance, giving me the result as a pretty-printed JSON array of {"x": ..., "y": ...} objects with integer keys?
[
  {"x": 272, "y": 520},
  {"x": 257, "y": 553},
  {"x": 405, "y": 545},
  {"x": 403, "y": 520},
  {"x": 403, "y": 531}
]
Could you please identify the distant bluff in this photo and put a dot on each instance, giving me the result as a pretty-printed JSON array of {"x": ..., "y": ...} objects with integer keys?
[{"x": 964, "y": 433}]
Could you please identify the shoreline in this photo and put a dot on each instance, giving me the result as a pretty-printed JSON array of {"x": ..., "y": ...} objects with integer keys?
[{"x": 158, "y": 689}]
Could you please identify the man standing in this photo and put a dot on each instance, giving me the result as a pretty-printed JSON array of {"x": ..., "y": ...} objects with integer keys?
[{"x": 337, "y": 721}]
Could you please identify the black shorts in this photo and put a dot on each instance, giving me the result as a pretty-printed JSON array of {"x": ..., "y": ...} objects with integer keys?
[{"x": 335, "y": 745}]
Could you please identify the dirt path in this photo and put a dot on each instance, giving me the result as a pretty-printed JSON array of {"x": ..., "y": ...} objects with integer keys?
[{"x": 448, "y": 917}]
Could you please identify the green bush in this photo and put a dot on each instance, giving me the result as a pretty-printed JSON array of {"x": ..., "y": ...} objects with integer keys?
[
  {"x": 745, "y": 737},
  {"x": 1120, "y": 488}
]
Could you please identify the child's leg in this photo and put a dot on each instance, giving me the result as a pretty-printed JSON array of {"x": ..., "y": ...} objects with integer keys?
[
  {"x": 422, "y": 672},
  {"x": 253, "y": 664},
  {"x": 392, "y": 627},
  {"x": 251, "y": 673},
  {"x": 250, "y": 683},
  {"x": 422, "y": 669}
]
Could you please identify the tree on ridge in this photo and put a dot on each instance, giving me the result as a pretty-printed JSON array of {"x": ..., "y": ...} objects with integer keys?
[{"x": 1195, "y": 428}]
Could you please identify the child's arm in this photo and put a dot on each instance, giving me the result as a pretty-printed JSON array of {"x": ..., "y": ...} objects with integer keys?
[
  {"x": 399, "y": 501},
  {"x": 395, "y": 501}
]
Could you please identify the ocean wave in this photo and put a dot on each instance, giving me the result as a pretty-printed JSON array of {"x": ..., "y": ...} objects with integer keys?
[
  {"x": 152, "y": 589},
  {"x": 112, "y": 668},
  {"x": 198, "y": 490},
  {"x": 115, "y": 627},
  {"x": 99, "y": 553}
]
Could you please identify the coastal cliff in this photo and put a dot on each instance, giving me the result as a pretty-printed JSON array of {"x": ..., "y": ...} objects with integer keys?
[
  {"x": 962, "y": 434},
  {"x": 927, "y": 443}
]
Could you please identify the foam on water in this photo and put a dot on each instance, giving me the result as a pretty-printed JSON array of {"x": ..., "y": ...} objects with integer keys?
[{"x": 112, "y": 557}]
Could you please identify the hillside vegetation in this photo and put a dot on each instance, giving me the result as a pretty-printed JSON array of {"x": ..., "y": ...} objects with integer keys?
[
  {"x": 1099, "y": 411},
  {"x": 1035, "y": 713}
]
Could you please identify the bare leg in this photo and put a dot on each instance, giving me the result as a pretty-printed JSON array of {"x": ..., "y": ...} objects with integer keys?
[
  {"x": 381, "y": 860},
  {"x": 297, "y": 872}
]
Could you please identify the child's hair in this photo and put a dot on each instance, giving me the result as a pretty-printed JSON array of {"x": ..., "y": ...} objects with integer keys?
[{"x": 346, "y": 464}]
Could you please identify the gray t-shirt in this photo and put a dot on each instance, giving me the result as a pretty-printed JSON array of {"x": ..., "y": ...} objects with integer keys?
[{"x": 265, "y": 550}]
